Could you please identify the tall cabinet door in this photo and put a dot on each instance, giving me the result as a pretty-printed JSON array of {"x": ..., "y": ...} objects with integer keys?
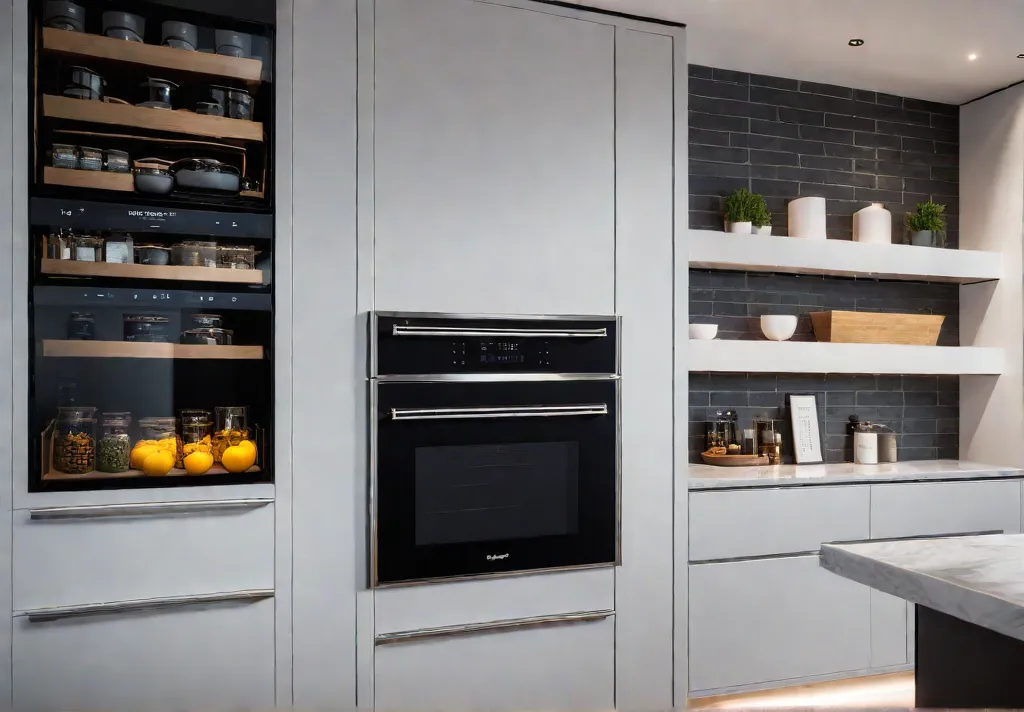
[{"x": 494, "y": 165}]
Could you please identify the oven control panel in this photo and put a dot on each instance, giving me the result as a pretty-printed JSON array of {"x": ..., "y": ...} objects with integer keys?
[{"x": 506, "y": 353}]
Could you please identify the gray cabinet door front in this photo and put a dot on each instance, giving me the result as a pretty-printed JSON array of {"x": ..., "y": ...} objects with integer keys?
[{"x": 494, "y": 166}]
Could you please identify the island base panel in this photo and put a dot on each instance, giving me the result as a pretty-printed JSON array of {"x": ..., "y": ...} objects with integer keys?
[{"x": 962, "y": 665}]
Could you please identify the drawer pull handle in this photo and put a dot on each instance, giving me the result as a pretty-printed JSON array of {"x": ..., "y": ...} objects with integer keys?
[
  {"x": 400, "y": 330},
  {"x": 491, "y": 627},
  {"x": 45, "y": 615},
  {"x": 106, "y": 511},
  {"x": 526, "y": 411}
]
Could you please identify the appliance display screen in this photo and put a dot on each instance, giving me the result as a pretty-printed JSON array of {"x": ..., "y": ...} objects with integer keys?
[{"x": 502, "y": 352}]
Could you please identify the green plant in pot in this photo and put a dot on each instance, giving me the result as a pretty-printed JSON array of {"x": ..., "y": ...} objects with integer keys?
[
  {"x": 762, "y": 219},
  {"x": 927, "y": 227},
  {"x": 740, "y": 210}
]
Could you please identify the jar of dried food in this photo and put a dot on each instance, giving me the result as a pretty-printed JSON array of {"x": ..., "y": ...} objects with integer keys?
[
  {"x": 232, "y": 429},
  {"x": 88, "y": 248},
  {"x": 237, "y": 257},
  {"x": 113, "y": 451},
  {"x": 161, "y": 433},
  {"x": 196, "y": 431},
  {"x": 64, "y": 155},
  {"x": 149, "y": 328},
  {"x": 120, "y": 248},
  {"x": 90, "y": 159},
  {"x": 81, "y": 326},
  {"x": 194, "y": 253},
  {"x": 74, "y": 440}
]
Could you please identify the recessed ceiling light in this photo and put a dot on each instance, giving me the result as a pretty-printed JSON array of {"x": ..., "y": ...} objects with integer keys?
[
  {"x": 856, "y": 42},
  {"x": 971, "y": 57}
]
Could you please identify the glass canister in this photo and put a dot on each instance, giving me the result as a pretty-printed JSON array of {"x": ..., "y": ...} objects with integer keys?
[
  {"x": 114, "y": 449},
  {"x": 720, "y": 431},
  {"x": 765, "y": 431},
  {"x": 74, "y": 441},
  {"x": 161, "y": 433},
  {"x": 88, "y": 248},
  {"x": 232, "y": 428}
]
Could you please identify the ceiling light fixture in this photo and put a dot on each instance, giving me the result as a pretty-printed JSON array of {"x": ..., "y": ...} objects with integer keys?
[
  {"x": 856, "y": 42},
  {"x": 971, "y": 57}
]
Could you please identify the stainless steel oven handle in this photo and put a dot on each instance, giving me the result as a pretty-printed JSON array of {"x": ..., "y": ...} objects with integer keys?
[
  {"x": 400, "y": 330},
  {"x": 45, "y": 615},
  {"x": 509, "y": 624},
  {"x": 142, "y": 509},
  {"x": 525, "y": 411}
]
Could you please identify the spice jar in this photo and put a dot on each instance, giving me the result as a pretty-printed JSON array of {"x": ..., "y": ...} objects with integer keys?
[
  {"x": 113, "y": 451},
  {"x": 232, "y": 429},
  {"x": 81, "y": 326},
  {"x": 162, "y": 433},
  {"x": 74, "y": 445}
]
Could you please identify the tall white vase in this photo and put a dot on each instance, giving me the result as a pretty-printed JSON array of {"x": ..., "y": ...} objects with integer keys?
[
  {"x": 807, "y": 218},
  {"x": 873, "y": 224}
]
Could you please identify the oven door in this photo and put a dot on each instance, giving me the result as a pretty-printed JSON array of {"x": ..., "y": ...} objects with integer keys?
[{"x": 479, "y": 478}]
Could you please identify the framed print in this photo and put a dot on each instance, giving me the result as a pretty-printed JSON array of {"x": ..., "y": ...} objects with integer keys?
[{"x": 803, "y": 414}]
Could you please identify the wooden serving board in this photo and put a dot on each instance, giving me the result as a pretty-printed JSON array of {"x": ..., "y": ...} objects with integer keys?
[
  {"x": 845, "y": 327},
  {"x": 734, "y": 460}
]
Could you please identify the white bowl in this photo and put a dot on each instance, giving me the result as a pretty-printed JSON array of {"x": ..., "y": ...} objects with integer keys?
[
  {"x": 778, "y": 327},
  {"x": 704, "y": 332}
]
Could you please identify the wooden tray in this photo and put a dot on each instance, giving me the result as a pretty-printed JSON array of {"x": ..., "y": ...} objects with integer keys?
[
  {"x": 844, "y": 327},
  {"x": 734, "y": 460}
]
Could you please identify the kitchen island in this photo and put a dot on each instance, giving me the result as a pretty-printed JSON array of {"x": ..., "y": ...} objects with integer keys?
[{"x": 969, "y": 593}]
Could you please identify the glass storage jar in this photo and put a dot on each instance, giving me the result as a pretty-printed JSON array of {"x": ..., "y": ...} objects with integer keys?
[
  {"x": 74, "y": 440},
  {"x": 207, "y": 337},
  {"x": 194, "y": 253},
  {"x": 149, "y": 328},
  {"x": 88, "y": 248},
  {"x": 58, "y": 247},
  {"x": 232, "y": 429},
  {"x": 119, "y": 248},
  {"x": 237, "y": 257},
  {"x": 114, "y": 449},
  {"x": 196, "y": 432},
  {"x": 161, "y": 432}
]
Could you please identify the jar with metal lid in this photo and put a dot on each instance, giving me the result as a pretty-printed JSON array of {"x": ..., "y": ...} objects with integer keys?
[
  {"x": 161, "y": 432},
  {"x": 207, "y": 321},
  {"x": 119, "y": 249},
  {"x": 113, "y": 451},
  {"x": 236, "y": 257},
  {"x": 207, "y": 337},
  {"x": 149, "y": 328},
  {"x": 74, "y": 440},
  {"x": 194, "y": 253},
  {"x": 196, "y": 425},
  {"x": 232, "y": 428},
  {"x": 81, "y": 326},
  {"x": 88, "y": 248}
]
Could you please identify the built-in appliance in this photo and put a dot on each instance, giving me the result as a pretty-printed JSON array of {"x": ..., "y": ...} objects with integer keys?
[{"x": 494, "y": 445}]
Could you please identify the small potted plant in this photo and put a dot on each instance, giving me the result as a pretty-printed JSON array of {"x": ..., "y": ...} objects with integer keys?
[
  {"x": 762, "y": 219},
  {"x": 739, "y": 211},
  {"x": 927, "y": 226}
]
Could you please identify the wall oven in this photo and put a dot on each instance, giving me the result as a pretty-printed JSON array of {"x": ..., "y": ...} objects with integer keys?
[{"x": 494, "y": 445}]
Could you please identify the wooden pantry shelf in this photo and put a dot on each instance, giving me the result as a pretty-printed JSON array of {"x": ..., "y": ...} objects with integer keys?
[
  {"x": 725, "y": 356},
  {"x": 71, "y": 268},
  {"x": 134, "y": 349},
  {"x": 174, "y": 121},
  {"x": 97, "y": 180},
  {"x": 80, "y": 44},
  {"x": 54, "y": 475},
  {"x": 710, "y": 249}
]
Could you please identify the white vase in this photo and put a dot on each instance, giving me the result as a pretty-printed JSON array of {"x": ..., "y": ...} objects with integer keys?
[
  {"x": 763, "y": 230},
  {"x": 740, "y": 228},
  {"x": 807, "y": 218},
  {"x": 873, "y": 225}
]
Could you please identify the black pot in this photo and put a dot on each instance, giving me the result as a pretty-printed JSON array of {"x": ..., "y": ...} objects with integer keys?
[
  {"x": 83, "y": 83},
  {"x": 206, "y": 174},
  {"x": 156, "y": 92}
]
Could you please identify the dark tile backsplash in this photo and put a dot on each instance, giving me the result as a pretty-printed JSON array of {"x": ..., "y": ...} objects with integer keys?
[
  {"x": 736, "y": 300},
  {"x": 786, "y": 138},
  {"x": 923, "y": 410}
]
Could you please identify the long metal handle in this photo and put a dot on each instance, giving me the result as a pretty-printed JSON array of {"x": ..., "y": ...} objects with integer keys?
[
  {"x": 44, "y": 615},
  {"x": 524, "y": 411},
  {"x": 400, "y": 330},
  {"x": 98, "y": 511},
  {"x": 491, "y": 627}
]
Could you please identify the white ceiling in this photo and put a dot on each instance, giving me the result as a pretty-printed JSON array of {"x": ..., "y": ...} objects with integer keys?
[{"x": 915, "y": 48}]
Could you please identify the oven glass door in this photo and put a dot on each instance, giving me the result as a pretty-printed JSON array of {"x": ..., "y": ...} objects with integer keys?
[{"x": 479, "y": 478}]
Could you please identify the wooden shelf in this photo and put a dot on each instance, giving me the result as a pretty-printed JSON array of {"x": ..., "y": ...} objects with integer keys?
[
  {"x": 710, "y": 249},
  {"x": 134, "y": 349},
  {"x": 97, "y": 180},
  {"x": 79, "y": 44},
  {"x": 724, "y": 356},
  {"x": 174, "y": 121},
  {"x": 53, "y": 475},
  {"x": 70, "y": 268}
]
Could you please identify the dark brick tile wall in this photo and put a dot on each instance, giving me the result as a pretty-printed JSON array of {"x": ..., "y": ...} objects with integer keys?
[
  {"x": 786, "y": 138},
  {"x": 736, "y": 300},
  {"x": 923, "y": 410}
]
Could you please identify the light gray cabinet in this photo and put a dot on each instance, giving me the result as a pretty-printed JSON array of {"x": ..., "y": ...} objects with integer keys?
[
  {"x": 764, "y": 620},
  {"x": 888, "y": 630},
  {"x": 557, "y": 668},
  {"x": 937, "y": 508},
  {"x": 494, "y": 159}
]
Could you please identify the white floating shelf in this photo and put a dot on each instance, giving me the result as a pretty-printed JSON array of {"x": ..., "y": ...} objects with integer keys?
[
  {"x": 709, "y": 249},
  {"x": 724, "y": 356}
]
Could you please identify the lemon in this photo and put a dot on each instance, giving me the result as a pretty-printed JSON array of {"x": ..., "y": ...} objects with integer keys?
[
  {"x": 238, "y": 459},
  {"x": 139, "y": 455},
  {"x": 198, "y": 463},
  {"x": 249, "y": 445},
  {"x": 158, "y": 463}
]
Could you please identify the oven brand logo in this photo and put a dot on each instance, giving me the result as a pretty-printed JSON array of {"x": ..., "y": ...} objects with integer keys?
[{"x": 496, "y": 557}]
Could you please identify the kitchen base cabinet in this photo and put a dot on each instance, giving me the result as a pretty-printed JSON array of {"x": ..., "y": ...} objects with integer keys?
[
  {"x": 570, "y": 666},
  {"x": 218, "y": 656},
  {"x": 765, "y": 620}
]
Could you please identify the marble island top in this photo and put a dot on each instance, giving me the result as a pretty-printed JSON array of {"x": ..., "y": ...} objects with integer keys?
[
  {"x": 710, "y": 477},
  {"x": 978, "y": 579}
]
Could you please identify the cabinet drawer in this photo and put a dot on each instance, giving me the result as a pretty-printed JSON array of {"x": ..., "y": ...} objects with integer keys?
[
  {"x": 760, "y": 522},
  {"x": 219, "y": 656},
  {"x": 930, "y": 509},
  {"x": 768, "y": 620},
  {"x": 149, "y": 552},
  {"x": 570, "y": 666}
]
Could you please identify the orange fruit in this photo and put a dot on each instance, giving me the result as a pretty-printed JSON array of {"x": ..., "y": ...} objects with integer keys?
[
  {"x": 238, "y": 458},
  {"x": 198, "y": 463},
  {"x": 139, "y": 455},
  {"x": 158, "y": 463}
]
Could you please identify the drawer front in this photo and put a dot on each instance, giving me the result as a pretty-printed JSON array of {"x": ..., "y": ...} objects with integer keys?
[
  {"x": 931, "y": 509},
  {"x": 762, "y": 522},
  {"x": 153, "y": 553},
  {"x": 558, "y": 667},
  {"x": 193, "y": 657}
]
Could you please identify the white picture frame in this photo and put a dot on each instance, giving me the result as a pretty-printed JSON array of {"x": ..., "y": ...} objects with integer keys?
[{"x": 803, "y": 415}]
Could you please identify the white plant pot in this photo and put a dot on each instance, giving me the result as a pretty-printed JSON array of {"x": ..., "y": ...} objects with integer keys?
[
  {"x": 807, "y": 218},
  {"x": 740, "y": 228},
  {"x": 873, "y": 225},
  {"x": 765, "y": 230}
]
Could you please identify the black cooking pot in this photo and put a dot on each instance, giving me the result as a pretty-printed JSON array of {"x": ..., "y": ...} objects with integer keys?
[
  {"x": 83, "y": 83},
  {"x": 156, "y": 92},
  {"x": 206, "y": 174}
]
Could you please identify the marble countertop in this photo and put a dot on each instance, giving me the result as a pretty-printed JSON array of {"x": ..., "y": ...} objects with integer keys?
[
  {"x": 978, "y": 579},
  {"x": 703, "y": 477}
]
